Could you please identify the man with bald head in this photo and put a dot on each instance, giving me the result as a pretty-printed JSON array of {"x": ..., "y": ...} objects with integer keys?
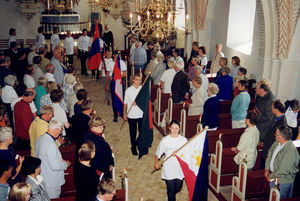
[
  {"x": 50, "y": 73},
  {"x": 59, "y": 68}
]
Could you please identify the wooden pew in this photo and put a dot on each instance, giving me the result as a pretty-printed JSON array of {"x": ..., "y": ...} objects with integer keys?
[
  {"x": 160, "y": 105},
  {"x": 29, "y": 42},
  {"x": 188, "y": 124},
  {"x": 154, "y": 92},
  {"x": 172, "y": 113},
  {"x": 225, "y": 121},
  {"x": 250, "y": 184},
  {"x": 225, "y": 105}
]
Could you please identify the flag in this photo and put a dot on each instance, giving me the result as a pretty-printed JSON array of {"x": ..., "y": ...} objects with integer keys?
[
  {"x": 117, "y": 88},
  {"x": 143, "y": 101},
  {"x": 95, "y": 55},
  {"x": 193, "y": 160}
]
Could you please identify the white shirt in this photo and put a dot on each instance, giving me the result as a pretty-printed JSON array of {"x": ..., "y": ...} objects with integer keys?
[
  {"x": 29, "y": 81},
  {"x": 54, "y": 40},
  {"x": 40, "y": 40},
  {"x": 291, "y": 117},
  {"x": 106, "y": 61},
  {"x": 31, "y": 104},
  {"x": 50, "y": 77},
  {"x": 171, "y": 168},
  {"x": 8, "y": 94},
  {"x": 37, "y": 73},
  {"x": 167, "y": 77},
  {"x": 203, "y": 60},
  {"x": 215, "y": 64},
  {"x": 69, "y": 45},
  {"x": 84, "y": 42},
  {"x": 111, "y": 64},
  {"x": 30, "y": 57},
  {"x": 59, "y": 115},
  {"x": 205, "y": 82},
  {"x": 276, "y": 151},
  {"x": 130, "y": 95},
  {"x": 11, "y": 39}
]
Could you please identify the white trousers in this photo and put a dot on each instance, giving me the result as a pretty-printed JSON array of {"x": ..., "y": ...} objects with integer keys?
[{"x": 53, "y": 192}]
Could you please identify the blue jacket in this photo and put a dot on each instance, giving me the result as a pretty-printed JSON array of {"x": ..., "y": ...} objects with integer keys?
[
  {"x": 225, "y": 87},
  {"x": 210, "y": 115},
  {"x": 239, "y": 106}
]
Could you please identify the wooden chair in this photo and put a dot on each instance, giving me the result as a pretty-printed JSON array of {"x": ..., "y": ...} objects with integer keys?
[
  {"x": 172, "y": 113},
  {"x": 188, "y": 124},
  {"x": 160, "y": 105},
  {"x": 154, "y": 92}
]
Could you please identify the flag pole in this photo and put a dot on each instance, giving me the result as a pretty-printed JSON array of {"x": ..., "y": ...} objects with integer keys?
[
  {"x": 134, "y": 100},
  {"x": 206, "y": 127}
]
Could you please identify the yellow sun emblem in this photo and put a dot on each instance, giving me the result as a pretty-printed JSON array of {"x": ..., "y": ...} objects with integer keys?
[{"x": 197, "y": 157}]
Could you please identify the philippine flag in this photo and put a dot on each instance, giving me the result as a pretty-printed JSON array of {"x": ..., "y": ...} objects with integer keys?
[
  {"x": 193, "y": 159},
  {"x": 95, "y": 55},
  {"x": 117, "y": 87}
]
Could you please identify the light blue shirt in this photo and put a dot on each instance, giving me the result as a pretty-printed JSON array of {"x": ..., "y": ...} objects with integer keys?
[
  {"x": 234, "y": 71},
  {"x": 139, "y": 56},
  {"x": 4, "y": 190},
  {"x": 58, "y": 71},
  {"x": 239, "y": 106}
]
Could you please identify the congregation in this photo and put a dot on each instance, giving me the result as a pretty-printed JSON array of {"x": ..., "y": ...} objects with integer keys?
[{"x": 44, "y": 106}]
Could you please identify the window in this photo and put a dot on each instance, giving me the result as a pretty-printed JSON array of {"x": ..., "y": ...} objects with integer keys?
[
  {"x": 180, "y": 18},
  {"x": 241, "y": 25}
]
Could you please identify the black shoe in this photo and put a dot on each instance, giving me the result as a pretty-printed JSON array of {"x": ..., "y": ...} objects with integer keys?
[
  {"x": 86, "y": 75},
  {"x": 115, "y": 120},
  {"x": 134, "y": 152}
]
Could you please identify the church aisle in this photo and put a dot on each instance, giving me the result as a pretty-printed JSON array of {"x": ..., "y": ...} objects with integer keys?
[{"x": 141, "y": 182}]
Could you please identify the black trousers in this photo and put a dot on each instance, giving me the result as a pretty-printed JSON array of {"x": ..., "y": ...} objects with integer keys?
[
  {"x": 173, "y": 187},
  {"x": 133, "y": 125},
  {"x": 112, "y": 101},
  {"x": 94, "y": 72},
  {"x": 70, "y": 59},
  {"x": 83, "y": 55}
]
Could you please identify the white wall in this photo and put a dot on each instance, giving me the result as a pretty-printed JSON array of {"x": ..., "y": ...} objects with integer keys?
[{"x": 11, "y": 18}]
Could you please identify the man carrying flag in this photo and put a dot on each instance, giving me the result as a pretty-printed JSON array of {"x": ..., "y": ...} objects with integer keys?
[
  {"x": 96, "y": 53},
  {"x": 115, "y": 71}
]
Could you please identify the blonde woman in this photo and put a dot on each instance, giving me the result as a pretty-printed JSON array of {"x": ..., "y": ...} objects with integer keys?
[{"x": 19, "y": 192}]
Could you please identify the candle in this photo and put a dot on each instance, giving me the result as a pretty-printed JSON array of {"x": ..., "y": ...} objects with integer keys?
[
  {"x": 139, "y": 19},
  {"x": 130, "y": 16},
  {"x": 48, "y": 5},
  {"x": 187, "y": 20},
  {"x": 148, "y": 15},
  {"x": 71, "y": 4}
]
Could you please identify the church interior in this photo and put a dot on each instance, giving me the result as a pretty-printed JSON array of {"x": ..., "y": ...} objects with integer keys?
[{"x": 263, "y": 34}]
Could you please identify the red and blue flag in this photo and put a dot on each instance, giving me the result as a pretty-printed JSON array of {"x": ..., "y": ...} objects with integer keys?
[
  {"x": 96, "y": 53},
  {"x": 117, "y": 88}
]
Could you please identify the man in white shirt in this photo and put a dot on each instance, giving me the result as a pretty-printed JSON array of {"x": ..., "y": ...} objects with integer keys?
[
  {"x": 54, "y": 40},
  {"x": 49, "y": 73},
  {"x": 83, "y": 50},
  {"x": 167, "y": 77},
  {"x": 108, "y": 62},
  {"x": 132, "y": 112},
  {"x": 40, "y": 39},
  {"x": 215, "y": 64},
  {"x": 52, "y": 166},
  {"x": 109, "y": 72},
  {"x": 59, "y": 68},
  {"x": 69, "y": 45},
  {"x": 12, "y": 35}
]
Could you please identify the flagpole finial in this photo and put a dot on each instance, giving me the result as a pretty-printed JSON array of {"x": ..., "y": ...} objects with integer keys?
[{"x": 220, "y": 136}]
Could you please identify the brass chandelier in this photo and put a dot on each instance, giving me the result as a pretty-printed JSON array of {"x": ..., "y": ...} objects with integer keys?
[
  {"x": 155, "y": 19},
  {"x": 107, "y": 5}
]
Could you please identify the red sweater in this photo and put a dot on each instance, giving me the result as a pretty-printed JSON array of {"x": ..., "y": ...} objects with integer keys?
[{"x": 23, "y": 118}]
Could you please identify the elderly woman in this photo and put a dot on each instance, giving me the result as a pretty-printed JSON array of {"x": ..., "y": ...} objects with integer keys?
[
  {"x": 28, "y": 78},
  {"x": 171, "y": 170},
  {"x": 195, "y": 62},
  {"x": 152, "y": 64},
  {"x": 159, "y": 69},
  {"x": 225, "y": 83},
  {"x": 85, "y": 176},
  {"x": 211, "y": 108},
  {"x": 72, "y": 99},
  {"x": 248, "y": 142},
  {"x": 9, "y": 93},
  {"x": 40, "y": 91},
  {"x": 103, "y": 159},
  {"x": 67, "y": 88},
  {"x": 6, "y": 153},
  {"x": 31, "y": 169},
  {"x": 19, "y": 192},
  {"x": 198, "y": 98}
]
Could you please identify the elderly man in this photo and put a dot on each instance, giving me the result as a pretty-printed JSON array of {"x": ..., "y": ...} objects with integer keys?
[
  {"x": 279, "y": 120},
  {"x": 23, "y": 117},
  {"x": 32, "y": 54},
  {"x": 52, "y": 166},
  {"x": 180, "y": 86},
  {"x": 50, "y": 73},
  {"x": 59, "y": 68},
  {"x": 138, "y": 57},
  {"x": 282, "y": 162},
  {"x": 40, "y": 126},
  {"x": 167, "y": 77},
  {"x": 215, "y": 64},
  {"x": 263, "y": 108},
  {"x": 159, "y": 69},
  {"x": 45, "y": 61}
]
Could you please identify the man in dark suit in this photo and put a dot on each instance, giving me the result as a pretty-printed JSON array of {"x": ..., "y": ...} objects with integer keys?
[
  {"x": 279, "y": 120},
  {"x": 180, "y": 86}
]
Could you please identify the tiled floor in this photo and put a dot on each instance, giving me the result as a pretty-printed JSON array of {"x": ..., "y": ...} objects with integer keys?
[{"x": 141, "y": 182}]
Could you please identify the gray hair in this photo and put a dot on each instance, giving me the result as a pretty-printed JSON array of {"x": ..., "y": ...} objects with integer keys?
[
  {"x": 213, "y": 88},
  {"x": 10, "y": 80},
  {"x": 5, "y": 134},
  {"x": 54, "y": 124},
  {"x": 77, "y": 87},
  {"x": 42, "y": 81},
  {"x": 70, "y": 79}
]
